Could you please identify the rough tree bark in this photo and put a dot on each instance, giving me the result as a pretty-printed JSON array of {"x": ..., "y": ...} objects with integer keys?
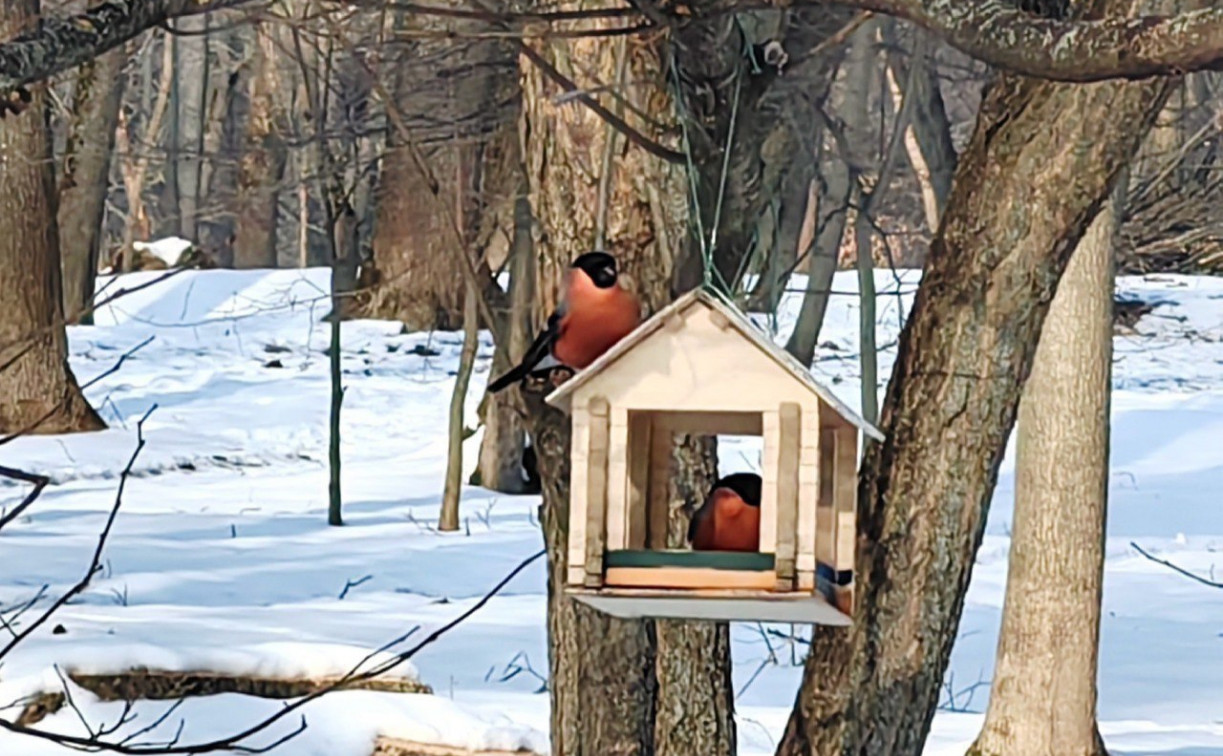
[
  {"x": 1034, "y": 174},
  {"x": 617, "y": 687},
  {"x": 37, "y": 389},
  {"x": 501, "y": 448},
  {"x": 832, "y": 212},
  {"x": 86, "y": 177},
  {"x": 1042, "y": 702},
  {"x": 460, "y": 101},
  {"x": 998, "y": 33},
  {"x": 716, "y": 80},
  {"x": 263, "y": 161},
  {"x": 195, "y": 57}
]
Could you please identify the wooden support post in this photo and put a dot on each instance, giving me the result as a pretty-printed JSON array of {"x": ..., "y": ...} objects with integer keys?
[
  {"x": 596, "y": 490},
  {"x": 638, "y": 478},
  {"x": 789, "y": 448},
  {"x": 618, "y": 512},
  {"x": 660, "y": 491},
  {"x": 845, "y": 498}
]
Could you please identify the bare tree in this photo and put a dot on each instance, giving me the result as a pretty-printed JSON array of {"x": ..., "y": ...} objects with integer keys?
[
  {"x": 37, "y": 389},
  {"x": 1041, "y": 701},
  {"x": 951, "y": 404},
  {"x": 263, "y": 160},
  {"x": 85, "y": 178}
]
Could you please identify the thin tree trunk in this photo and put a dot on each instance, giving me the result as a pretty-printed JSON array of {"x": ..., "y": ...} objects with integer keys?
[
  {"x": 822, "y": 256},
  {"x": 169, "y": 205},
  {"x": 1043, "y": 692},
  {"x": 861, "y": 133},
  {"x": 343, "y": 245},
  {"x": 868, "y": 358},
  {"x": 263, "y": 162},
  {"x": 86, "y": 177},
  {"x": 928, "y": 139},
  {"x": 501, "y": 448},
  {"x": 692, "y": 663},
  {"x": 37, "y": 389},
  {"x": 449, "y": 520},
  {"x": 195, "y": 55},
  {"x": 1033, "y": 176},
  {"x": 135, "y": 168}
]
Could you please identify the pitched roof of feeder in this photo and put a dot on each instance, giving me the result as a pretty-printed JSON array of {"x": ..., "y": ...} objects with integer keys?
[{"x": 745, "y": 327}]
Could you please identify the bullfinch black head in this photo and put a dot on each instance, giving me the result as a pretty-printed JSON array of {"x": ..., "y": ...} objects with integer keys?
[
  {"x": 746, "y": 485},
  {"x": 600, "y": 266}
]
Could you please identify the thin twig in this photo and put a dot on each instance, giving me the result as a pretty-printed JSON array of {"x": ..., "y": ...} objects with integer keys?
[
  {"x": 1176, "y": 568},
  {"x": 96, "y": 562},
  {"x": 233, "y": 743},
  {"x": 39, "y": 481}
]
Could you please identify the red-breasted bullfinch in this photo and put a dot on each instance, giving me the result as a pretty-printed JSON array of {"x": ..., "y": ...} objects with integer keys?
[
  {"x": 594, "y": 313},
  {"x": 729, "y": 520}
]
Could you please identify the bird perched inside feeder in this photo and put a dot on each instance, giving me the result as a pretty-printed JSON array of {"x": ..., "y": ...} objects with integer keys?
[
  {"x": 729, "y": 520},
  {"x": 594, "y": 313}
]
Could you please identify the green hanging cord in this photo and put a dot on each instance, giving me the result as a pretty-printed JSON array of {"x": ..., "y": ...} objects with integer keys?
[{"x": 690, "y": 173}]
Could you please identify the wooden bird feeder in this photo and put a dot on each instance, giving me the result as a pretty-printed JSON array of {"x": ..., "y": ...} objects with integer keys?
[{"x": 700, "y": 367}]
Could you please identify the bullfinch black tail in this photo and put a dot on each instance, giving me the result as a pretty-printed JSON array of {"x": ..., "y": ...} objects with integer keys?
[{"x": 537, "y": 355}]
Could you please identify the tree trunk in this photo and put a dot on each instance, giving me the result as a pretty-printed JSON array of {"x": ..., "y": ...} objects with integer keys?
[
  {"x": 1043, "y": 693},
  {"x": 86, "y": 177},
  {"x": 743, "y": 161},
  {"x": 135, "y": 167},
  {"x": 616, "y": 687},
  {"x": 931, "y": 151},
  {"x": 453, "y": 490},
  {"x": 1034, "y": 174},
  {"x": 693, "y": 669},
  {"x": 195, "y": 55},
  {"x": 263, "y": 162},
  {"x": 832, "y": 213},
  {"x": 37, "y": 389},
  {"x": 501, "y": 448},
  {"x": 458, "y": 99}
]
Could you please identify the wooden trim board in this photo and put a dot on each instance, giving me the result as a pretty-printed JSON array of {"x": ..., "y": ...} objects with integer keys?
[
  {"x": 713, "y": 605},
  {"x": 687, "y": 578}
]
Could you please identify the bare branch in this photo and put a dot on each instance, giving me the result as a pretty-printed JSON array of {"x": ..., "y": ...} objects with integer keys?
[
  {"x": 233, "y": 742},
  {"x": 1003, "y": 35},
  {"x": 39, "y": 481},
  {"x": 1176, "y": 568}
]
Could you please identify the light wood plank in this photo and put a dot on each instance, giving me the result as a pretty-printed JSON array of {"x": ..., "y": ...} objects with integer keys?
[
  {"x": 825, "y": 519},
  {"x": 687, "y": 578},
  {"x": 639, "y": 425},
  {"x": 660, "y": 497},
  {"x": 596, "y": 490},
  {"x": 768, "y": 484},
  {"x": 617, "y": 480},
  {"x": 579, "y": 440},
  {"x": 845, "y": 496},
  {"x": 789, "y": 439},
  {"x": 710, "y": 423}
]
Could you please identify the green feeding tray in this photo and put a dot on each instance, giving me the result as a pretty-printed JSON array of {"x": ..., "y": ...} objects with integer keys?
[{"x": 718, "y": 560}]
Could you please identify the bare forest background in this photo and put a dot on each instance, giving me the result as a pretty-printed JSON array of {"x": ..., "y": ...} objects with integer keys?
[{"x": 421, "y": 152}]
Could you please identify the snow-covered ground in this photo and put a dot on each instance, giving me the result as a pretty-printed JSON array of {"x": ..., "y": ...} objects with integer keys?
[{"x": 221, "y": 557}]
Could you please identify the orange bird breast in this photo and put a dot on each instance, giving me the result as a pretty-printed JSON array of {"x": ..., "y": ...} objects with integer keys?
[
  {"x": 594, "y": 321},
  {"x": 727, "y": 523}
]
